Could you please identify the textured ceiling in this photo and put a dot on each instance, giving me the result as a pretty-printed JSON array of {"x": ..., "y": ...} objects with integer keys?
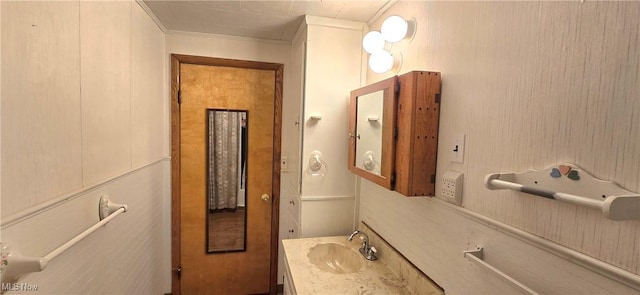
[{"x": 275, "y": 20}]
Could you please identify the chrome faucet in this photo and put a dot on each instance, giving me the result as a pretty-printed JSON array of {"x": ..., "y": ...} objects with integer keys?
[{"x": 366, "y": 250}]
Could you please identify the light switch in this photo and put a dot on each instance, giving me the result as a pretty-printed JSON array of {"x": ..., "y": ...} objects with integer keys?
[{"x": 457, "y": 148}]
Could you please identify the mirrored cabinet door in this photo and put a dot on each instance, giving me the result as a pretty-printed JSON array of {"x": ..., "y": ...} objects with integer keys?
[{"x": 372, "y": 120}]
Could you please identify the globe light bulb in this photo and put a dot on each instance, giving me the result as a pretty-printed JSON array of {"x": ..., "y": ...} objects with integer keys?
[
  {"x": 394, "y": 28},
  {"x": 381, "y": 61},
  {"x": 373, "y": 42}
]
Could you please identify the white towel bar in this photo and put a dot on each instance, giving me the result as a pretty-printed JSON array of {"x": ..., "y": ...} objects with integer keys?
[
  {"x": 569, "y": 183},
  {"x": 569, "y": 198},
  {"x": 477, "y": 255},
  {"x": 53, "y": 254},
  {"x": 16, "y": 264}
]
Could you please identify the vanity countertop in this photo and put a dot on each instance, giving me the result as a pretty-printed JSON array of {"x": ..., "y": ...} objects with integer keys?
[{"x": 373, "y": 278}]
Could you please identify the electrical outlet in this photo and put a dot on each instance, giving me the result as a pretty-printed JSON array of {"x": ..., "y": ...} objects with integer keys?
[
  {"x": 452, "y": 187},
  {"x": 284, "y": 163}
]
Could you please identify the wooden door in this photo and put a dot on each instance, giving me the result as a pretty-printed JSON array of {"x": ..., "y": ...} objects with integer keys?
[{"x": 204, "y": 84}]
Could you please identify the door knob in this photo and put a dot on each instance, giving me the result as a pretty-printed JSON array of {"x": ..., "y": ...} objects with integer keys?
[{"x": 265, "y": 198}]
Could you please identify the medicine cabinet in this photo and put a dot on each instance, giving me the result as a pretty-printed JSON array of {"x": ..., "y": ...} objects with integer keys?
[{"x": 393, "y": 132}]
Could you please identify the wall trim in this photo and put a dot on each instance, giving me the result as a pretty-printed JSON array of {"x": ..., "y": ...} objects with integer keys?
[
  {"x": 615, "y": 273},
  {"x": 42, "y": 207},
  {"x": 302, "y": 30},
  {"x": 382, "y": 11},
  {"x": 228, "y": 37},
  {"x": 151, "y": 15},
  {"x": 326, "y": 198},
  {"x": 333, "y": 22}
]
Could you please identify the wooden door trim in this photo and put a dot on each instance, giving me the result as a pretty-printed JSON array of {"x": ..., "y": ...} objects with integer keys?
[{"x": 176, "y": 61}]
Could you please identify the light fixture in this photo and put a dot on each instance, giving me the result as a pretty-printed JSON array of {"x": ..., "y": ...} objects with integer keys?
[
  {"x": 373, "y": 42},
  {"x": 381, "y": 61},
  {"x": 395, "y": 28}
]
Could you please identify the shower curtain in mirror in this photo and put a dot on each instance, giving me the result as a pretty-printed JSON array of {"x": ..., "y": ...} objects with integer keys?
[{"x": 225, "y": 131}]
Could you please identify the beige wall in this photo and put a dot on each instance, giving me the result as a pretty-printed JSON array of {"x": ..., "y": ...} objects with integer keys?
[
  {"x": 41, "y": 102},
  {"x": 331, "y": 72},
  {"x": 82, "y": 102},
  {"x": 79, "y": 106},
  {"x": 531, "y": 84}
]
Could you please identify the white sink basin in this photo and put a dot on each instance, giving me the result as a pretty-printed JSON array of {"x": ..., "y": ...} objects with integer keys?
[{"x": 335, "y": 258}]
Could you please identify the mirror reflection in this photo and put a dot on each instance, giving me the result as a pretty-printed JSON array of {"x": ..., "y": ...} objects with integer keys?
[
  {"x": 369, "y": 118},
  {"x": 226, "y": 176},
  {"x": 372, "y": 121}
]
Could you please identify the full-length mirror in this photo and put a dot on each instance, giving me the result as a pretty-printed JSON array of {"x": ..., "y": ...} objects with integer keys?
[
  {"x": 371, "y": 127},
  {"x": 226, "y": 180}
]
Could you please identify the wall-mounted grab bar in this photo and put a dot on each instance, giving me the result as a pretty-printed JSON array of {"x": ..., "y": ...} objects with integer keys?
[
  {"x": 569, "y": 183},
  {"x": 477, "y": 256},
  {"x": 14, "y": 264}
]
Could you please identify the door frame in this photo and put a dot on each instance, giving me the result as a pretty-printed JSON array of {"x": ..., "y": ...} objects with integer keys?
[{"x": 176, "y": 61}]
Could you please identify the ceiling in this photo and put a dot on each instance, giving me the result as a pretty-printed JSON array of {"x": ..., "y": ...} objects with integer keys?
[{"x": 266, "y": 19}]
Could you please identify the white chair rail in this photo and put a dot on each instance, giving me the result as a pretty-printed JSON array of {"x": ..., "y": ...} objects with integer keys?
[{"x": 14, "y": 264}]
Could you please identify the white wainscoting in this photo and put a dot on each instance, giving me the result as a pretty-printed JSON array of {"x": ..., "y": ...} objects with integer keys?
[{"x": 126, "y": 256}]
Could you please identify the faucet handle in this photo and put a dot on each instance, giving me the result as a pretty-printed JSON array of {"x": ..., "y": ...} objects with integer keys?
[
  {"x": 365, "y": 242},
  {"x": 371, "y": 254}
]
